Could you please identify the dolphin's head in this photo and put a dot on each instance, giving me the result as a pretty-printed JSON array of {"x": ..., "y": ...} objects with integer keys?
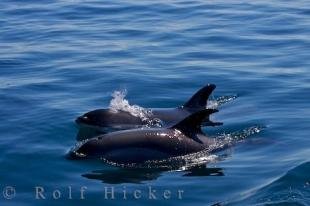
[
  {"x": 109, "y": 118},
  {"x": 93, "y": 118},
  {"x": 87, "y": 149}
]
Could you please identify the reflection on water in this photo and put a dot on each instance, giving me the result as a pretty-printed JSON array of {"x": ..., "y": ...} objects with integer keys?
[
  {"x": 124, "y": 175},
  {"x": 203, "y": 171},
  {"x": 120, "y": 175}
]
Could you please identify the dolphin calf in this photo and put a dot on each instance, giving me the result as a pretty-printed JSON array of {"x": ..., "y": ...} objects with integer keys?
[
  {"x": 140, "y": 145},
  {"x": 109, "y": 119}
]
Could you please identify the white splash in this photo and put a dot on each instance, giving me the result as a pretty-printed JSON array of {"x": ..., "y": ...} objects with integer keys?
[
  {"x": 212, "y": 104},
  {"x": 215, "y": 103},
  {"x": 119, "y": 103},
  {"x": 227, "y": 140}
]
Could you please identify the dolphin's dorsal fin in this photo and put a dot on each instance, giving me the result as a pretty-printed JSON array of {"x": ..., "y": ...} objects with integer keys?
[
  {"x": 191, "y": 125},
  {"x": 199, "y": 100}
]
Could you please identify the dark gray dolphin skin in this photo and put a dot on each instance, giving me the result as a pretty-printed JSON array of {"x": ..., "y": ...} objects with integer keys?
[
  {"x": 140, "y": 145},
  {"x": 106, "y": 118}
]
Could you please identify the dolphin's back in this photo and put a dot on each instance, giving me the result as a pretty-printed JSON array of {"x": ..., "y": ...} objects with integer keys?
[{"x": 140, "y": 145}]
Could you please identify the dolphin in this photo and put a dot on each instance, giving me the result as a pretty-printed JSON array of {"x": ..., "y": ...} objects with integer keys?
[
  {"x": 107, "y": 119},
  {"x": 146, "y": 144}
]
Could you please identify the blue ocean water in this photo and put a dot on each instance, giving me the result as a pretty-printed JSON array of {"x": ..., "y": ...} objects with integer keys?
[{"x": 59, "y": 59}]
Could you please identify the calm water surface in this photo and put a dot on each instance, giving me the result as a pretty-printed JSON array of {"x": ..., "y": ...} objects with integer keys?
[{"x": 59, "y": 59}]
